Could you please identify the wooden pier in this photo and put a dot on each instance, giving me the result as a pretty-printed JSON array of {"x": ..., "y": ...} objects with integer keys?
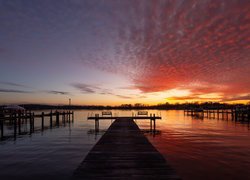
[
  {"x": 234, "y": 114},
  {"x": 152, "y": 119},
  {"x": 17, "y": 119},
  {"x": 123, "y": 152}
]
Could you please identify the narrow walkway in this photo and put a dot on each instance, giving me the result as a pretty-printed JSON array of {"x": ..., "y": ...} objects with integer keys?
[{"x": 123, "y": 152}]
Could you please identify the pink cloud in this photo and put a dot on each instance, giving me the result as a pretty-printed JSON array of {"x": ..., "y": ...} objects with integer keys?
[{"x": 163, "y": 45}]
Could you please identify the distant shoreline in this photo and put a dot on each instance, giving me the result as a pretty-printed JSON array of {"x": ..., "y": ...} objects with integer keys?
[{"x": 207, "y": 105}]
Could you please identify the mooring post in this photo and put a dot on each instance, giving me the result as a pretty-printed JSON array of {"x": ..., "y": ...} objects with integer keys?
[
  {"x": 57, "y": 118},
  {"x": 32, "y": 115},
  {"x": 63, "y": 117},
  {"x": 96, "y": 122},
  {"x": 31, "y": 128},
  {"x": 154, "y": 123},
  {"x": 42, "y": 121},
  {"x": 19, "y": 123},
  {"x": 69, "y": 116},
  {"x": 1, "y": 124},
  {"x": 25, "y": 116},
  {"x": 72, "y": 116},
  {"x": 151, "y": 122},
  {"x": 15, "y": 123},
  {"x": 248, "y": 115},
  {"x": 236, "y": 114},
  {"x": 51, "y": 117}
]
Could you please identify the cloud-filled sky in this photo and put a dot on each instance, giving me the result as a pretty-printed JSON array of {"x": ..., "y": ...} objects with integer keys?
[{"x": 133, "y": 51}]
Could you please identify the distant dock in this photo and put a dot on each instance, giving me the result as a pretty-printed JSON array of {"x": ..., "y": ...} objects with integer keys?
[
  {"x": 17, "y": 120},
  {"x": 142, "y": 115},
  {"x": 238, "y": 114},
  {"x": 123, "y": 152}
]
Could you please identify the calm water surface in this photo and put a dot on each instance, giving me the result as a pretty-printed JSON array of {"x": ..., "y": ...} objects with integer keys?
[{"x": 196, "y": 148}]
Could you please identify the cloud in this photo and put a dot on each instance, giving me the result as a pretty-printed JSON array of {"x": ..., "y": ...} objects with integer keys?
[
  {"x": 85, "y": 88},
  {"x": 124, "y": 97},
  {"x": 12, "y": 84},
  {"x": 237, "y": 98},
  {"x": 163, "y": 45},
  {"x": 58, "y": 92},
  {"x": 131, "y": 87},
  {"x": 193, "y": 98},
  {"x": 95, "y": 89},
  {"x": 13, "y": 91}
]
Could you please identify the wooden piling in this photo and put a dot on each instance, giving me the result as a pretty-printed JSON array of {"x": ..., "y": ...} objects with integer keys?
[
  {"x": 19, "y": 123},
  {"x": 151, "y": 125},
  {"x": 32, "y": 116},
  {"x": 2, "y": 128},
  {"x": 154, "y": 123},
  {"x": 15, "y": 125},
  {"x": 57, "y": 118},
  {"x": 42, "y": 121},
  {"x": 96, "y": 122},
  {"x": 51, "y": 118}
]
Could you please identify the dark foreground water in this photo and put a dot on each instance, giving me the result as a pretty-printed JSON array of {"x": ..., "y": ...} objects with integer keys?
[{"x": 197, "y": 149}]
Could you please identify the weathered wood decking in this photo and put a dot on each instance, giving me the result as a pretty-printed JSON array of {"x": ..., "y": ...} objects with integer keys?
[{"x": 123, "y": 152}]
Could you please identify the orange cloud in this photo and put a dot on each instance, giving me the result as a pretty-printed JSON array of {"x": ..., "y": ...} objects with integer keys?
[{"x": 162, "y": 45}]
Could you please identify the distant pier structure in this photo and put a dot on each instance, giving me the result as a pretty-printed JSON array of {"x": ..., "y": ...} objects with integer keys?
[
  {"x": 141, "y": 115},
  {"x": 20, "y": 120},
  {"x": 237, "y": 114}
]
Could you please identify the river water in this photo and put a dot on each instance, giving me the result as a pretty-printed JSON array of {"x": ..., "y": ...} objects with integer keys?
[{"x": 196, "y": 148}]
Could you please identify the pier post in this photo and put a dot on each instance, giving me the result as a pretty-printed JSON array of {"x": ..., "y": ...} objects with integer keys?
[
  {"x": 69, "y": 115},
  {"x": 72, "y": 116},
  {"x": 236, "y": 115},
  {"x": 31, "y": 128},
  {"x": 151, "y": 122},
  {"x": 32, "y": 116},
  {"x": 96, "y": 122},
  {"x": 15, "y": 124},
  {"x": 42, "y": 121},
  {"x": 63, "y": 117},
  {"x": 1, "y": 124},
  {"x": 57, "y": 118},
  {"x": 154, "y": 123},
  {"x": 51, "y": 117},
  {"x": 19, "y": 123}
]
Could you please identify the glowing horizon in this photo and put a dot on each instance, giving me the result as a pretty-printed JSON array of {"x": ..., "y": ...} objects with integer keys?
[{"x": 124, "y": 52}]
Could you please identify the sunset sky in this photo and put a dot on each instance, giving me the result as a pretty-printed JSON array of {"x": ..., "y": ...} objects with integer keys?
[{"x": 109, "y": 52}]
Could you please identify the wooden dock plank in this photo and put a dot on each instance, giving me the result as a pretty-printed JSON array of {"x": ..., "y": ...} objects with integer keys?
[{"x": 123, "y": 152}]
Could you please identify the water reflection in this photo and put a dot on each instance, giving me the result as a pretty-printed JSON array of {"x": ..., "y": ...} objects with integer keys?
[{"x": 207, "y": 148}]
